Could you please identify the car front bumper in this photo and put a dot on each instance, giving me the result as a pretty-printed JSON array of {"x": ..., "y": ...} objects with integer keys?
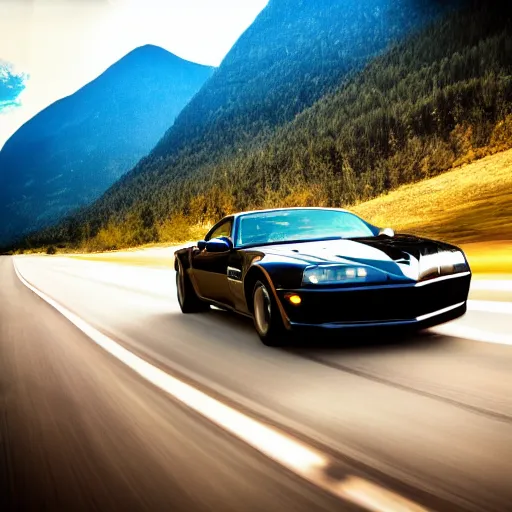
[
  {"x": 438, "y": 318},
  {"x": 416, "y": 305}
]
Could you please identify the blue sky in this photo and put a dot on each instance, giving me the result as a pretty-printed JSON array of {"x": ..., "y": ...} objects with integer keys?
[{"x": 63, "y": 44}]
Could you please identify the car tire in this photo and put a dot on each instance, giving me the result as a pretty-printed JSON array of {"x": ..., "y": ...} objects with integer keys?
[
  {"x": 267, "y": 319},
  {"x": 187, "y": 297}
]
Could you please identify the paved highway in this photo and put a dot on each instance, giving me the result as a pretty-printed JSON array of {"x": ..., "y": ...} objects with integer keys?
[{"x": 422, "y": 422}]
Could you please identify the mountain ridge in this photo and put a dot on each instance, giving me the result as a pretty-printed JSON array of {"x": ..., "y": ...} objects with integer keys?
[
  {"x": 297, "y": 59},
  {"x": 98, "y": 133},
  {"x": 122, "y": 62}
]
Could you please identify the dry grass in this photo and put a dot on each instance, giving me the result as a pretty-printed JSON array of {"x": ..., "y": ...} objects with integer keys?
[
  {"x": 490, "y": 258},
  {"x": 472, "y": 203},
  {"x": 156, "y": 257},
  {"x": 129, "y": 259},
  {"x": 470, "y": 206}
]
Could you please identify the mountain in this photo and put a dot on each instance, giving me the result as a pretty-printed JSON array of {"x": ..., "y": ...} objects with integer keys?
[
  {"x": 71, "y": 152},
  {"x": 294, "y": 53},
  {"x": 438, "y": 99},
  {"x": 431, "y": 92}
]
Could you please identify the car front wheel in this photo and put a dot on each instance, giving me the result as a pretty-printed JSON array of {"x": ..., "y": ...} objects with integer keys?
[{"x": 267, "y": 319}]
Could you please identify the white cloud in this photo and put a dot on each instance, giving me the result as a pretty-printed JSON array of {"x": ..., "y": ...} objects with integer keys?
[{"x": 12, "y": 85}]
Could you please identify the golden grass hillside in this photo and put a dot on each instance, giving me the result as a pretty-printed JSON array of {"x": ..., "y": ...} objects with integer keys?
[{"x": 470, "y": 206}]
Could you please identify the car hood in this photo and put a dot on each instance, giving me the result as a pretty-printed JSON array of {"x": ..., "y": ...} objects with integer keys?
[{"x": 402, "y": 255}]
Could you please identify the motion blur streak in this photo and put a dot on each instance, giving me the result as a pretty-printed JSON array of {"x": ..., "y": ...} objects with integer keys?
[
  {"x": 472, "y": 333},
  {"x": 375, "y": 498},
  {"x": 492, "y": 285},
  {"x": 303, "y": 460},
  {"x": 490, "y": 306}
]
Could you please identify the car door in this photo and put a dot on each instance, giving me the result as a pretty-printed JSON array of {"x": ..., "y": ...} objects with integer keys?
[{"x": 210, "y": 268}]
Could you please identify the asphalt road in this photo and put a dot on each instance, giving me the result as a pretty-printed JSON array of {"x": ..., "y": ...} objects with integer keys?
[{"x": 427, "y": 416}]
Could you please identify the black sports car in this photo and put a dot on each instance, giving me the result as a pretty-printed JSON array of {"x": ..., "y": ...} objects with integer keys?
[{"x": 295, "y": 268}]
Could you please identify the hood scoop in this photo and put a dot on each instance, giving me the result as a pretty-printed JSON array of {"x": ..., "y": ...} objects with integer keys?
[{"x": 405, "y": 259}]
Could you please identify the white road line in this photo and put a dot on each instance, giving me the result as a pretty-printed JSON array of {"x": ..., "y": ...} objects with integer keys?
[
  {"x": 490, "y": 306},
  {"x": 303, "y": 460}
]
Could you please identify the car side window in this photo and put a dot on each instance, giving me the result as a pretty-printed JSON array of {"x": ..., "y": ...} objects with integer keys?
[{"x": 223, "y": 230}]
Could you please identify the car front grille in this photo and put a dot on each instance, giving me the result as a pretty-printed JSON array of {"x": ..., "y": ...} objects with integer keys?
[{"x": 386, "y": 303}]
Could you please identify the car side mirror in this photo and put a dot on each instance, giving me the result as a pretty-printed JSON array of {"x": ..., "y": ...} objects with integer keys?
[
  {"x": 219, "y": 245},
  {"x": 387, "y": 232},
  {"x": 201, "y": 245}
]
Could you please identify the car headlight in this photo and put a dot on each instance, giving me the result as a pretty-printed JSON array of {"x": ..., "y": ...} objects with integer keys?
[{"x": 332, "y": 274}]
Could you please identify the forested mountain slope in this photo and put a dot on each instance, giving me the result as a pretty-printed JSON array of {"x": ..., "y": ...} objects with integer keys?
[
  {"x": 294, "y": 53},
  {"x": 440, "y": 97},
  {"x": 71, "y": 152}
]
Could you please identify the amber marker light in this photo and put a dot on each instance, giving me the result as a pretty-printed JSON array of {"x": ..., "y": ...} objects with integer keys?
[{"x": 293, "y": 298}]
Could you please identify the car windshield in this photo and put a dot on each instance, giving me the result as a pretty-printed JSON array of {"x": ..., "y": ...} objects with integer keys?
[{"x": 299, "y": 224}]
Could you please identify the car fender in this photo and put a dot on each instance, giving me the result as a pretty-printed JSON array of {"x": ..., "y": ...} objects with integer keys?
[
  {"x": 183, "y": 256},
  {"x": 278, "y": 274}
]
